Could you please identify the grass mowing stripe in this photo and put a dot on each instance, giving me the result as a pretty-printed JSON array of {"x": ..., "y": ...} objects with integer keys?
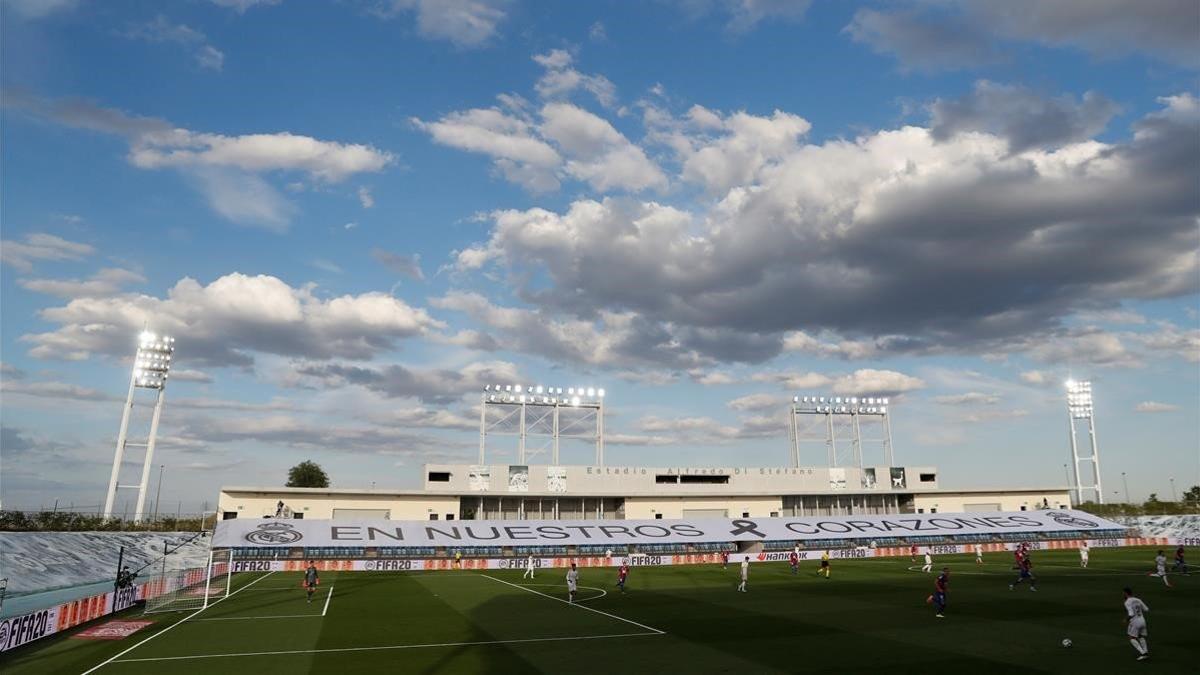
[
  {"x": 388, "y": 647},
  {"x": 120, "y": 654},
  {"x": 590, "y": 609}
]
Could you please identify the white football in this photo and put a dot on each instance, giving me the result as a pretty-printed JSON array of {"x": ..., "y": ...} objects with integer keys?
[{"x": 1066, "y": 642}]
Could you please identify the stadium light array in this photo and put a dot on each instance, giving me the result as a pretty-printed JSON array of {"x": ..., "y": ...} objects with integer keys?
[
  {"x": 1079, "y": 399},
  {"x": 542, "y": 395},
  {"x": 842, "y": 405},
  {"x": 152, "y": 363}
]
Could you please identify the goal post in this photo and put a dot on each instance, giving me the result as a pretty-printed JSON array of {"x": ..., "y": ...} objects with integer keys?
[{"x": 177, "y": 587}]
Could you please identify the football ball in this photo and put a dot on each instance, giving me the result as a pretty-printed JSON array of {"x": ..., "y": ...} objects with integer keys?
[{"x": 1066, "y": 642}]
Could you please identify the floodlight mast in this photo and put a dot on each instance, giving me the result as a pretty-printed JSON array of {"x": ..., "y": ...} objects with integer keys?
[
  {"x": 1080, "y": 407},
  {"x": 536, "y": 411},
  {"x": 151, "y": 367},
  {"x": 826, "y": 419}
]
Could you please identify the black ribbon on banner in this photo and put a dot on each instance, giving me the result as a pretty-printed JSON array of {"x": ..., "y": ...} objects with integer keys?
[{"x": 744, "y": 526}]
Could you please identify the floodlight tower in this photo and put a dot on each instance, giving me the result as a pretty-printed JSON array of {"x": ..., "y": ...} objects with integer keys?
[
  {"x": 1080, "y": 408},
  {"x": 151, "y": 366},
  {"x": 538, "y": 411},
  {"x": 828, "y": 419}
]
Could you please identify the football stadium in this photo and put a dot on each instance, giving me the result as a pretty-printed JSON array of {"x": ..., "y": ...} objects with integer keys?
[
  {"x": 560, "y": 568},
  {"x": 618, "y": 337}
]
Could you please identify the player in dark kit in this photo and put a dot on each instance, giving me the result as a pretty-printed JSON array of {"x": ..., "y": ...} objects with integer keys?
[
  {"x": 795, "y": 560},
  {"x": 939, "y": 593},
  {"x": 1180, "y": 565},
  {"x": 724, "y": 559},
  {"x": 1025, "y": 573},
  {"x": 311, "y": 579},
  {"x": 622, "y": 574}
]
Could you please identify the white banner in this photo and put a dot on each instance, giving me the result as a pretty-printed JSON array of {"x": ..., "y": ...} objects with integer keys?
[
  {"x": 231, "y": 533},
  {"x": 18, "y": 630}
]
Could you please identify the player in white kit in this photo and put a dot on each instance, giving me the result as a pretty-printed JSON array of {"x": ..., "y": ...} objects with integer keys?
[
  {"x": 1136, "y": 609},
  {"x": 745, "y": 574},
  {"x": 1160, "y": 564},
  {"x": 572, "y": 583},
  {"x": 978, "y": 554},
  {"x": 928, "y": 566},
  {"x": 1083, "y": 554},
  {"x": 528, "y": 567}
]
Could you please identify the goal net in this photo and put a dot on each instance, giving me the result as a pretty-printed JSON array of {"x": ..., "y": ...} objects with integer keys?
[{"x": 175, "y": 587}]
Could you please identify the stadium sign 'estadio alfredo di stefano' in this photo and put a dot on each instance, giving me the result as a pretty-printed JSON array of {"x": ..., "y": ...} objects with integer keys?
[{"x": 289, "y": 533}]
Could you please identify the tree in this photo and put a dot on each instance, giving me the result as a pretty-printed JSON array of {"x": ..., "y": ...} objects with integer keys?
[
  {"x": 1192, "y": 496},
  {"x": 307, "y": 474}
]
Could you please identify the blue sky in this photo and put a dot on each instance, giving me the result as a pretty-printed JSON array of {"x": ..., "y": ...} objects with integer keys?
[{"x": 352, "y": 215}]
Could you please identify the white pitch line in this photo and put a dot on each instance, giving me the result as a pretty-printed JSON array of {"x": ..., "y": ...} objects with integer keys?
[
  {"x": 247, "y": 618},
  {"x": 387, "y": 647},
  {"x": 590, "y": 588},
  {"x": 574, "y": 604},
  {"x": 120, "y": 654},
  {"x": 328, "y": 597}
]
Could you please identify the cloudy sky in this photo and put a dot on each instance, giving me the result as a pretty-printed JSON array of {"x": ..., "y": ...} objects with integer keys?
[{"x": 353, "y": 215}]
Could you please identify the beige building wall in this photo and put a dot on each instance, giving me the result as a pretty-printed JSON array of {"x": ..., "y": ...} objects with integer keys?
[
  {"x": 1002, "y": 501},
  {"x": 399, "y": 507},
  {"x": 648, "y": 508}
]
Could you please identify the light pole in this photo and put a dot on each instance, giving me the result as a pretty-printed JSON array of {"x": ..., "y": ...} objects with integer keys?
[
  {"x": 824, "y": 416},
  {"x": 1174, "y": 494},
  {"x": 158, "y": 491},
  {"x": 536, "y": 410},
  {"x": 152, "y": 364},
  {"x": 1080, "y": 408},
  {"x": 1125, "y": 481}
]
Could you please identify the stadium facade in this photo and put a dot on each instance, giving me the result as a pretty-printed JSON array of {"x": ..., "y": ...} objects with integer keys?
[{"x": 549, "y": 492}]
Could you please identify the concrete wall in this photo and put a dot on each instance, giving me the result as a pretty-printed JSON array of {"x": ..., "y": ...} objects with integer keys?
[
  {"x": 400, "y": 507},
  {"x": 647, "y": 508},
  {"x": 1007, "y": 500},
  {"x": 627, "y": 480}
]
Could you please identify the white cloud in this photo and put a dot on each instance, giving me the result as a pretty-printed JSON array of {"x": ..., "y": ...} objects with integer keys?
[
  {"x": 713, "y": 378},
  {"x": 968, "y": 398},
  {"x": 1155, "y": 407},
  {"x": 844, "y": 248},
  {"x": 365, "y": 198},
  {"x": 560, "y": 79},
  {"x": 597, "y": 153},
  {"x": 755, "y": 402},
  {"x": 465, "y": 23},
  {"x": 160, "y": 29},
  {"x": 105, "y": 282},
  {"x": 1038, "y": 378},
  {"x": 613, "y": 339},
  {"x": 226, "y": 169},
  {"x": 190, "y": 375},
  {"x": 240, "y": 6},
  {"x": 518, "y": 153},
  {"x": 37, "y": 9},
  {"x": 597, "y": 32},
  {"x": 794, "y": 381},
  {"x": 326, "y": 266},
  {"x": 741, "y": 149},
  {"x": 41, "y": 246},
  {"x": 53, "y": 390},
  {"x": 868, "y": 381},
  {"x": 284, "y": 151},
  {"x": 228, "y": 320}
]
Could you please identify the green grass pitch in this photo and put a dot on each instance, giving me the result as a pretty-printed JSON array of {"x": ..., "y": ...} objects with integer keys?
[{"x": 870, "y": 616}]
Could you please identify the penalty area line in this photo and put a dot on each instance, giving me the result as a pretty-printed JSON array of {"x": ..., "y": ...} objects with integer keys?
[
  {"x": 113, "y": 658},
  {"x": 574, "y": 604},
  {"x": 389, "y": 647}
]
